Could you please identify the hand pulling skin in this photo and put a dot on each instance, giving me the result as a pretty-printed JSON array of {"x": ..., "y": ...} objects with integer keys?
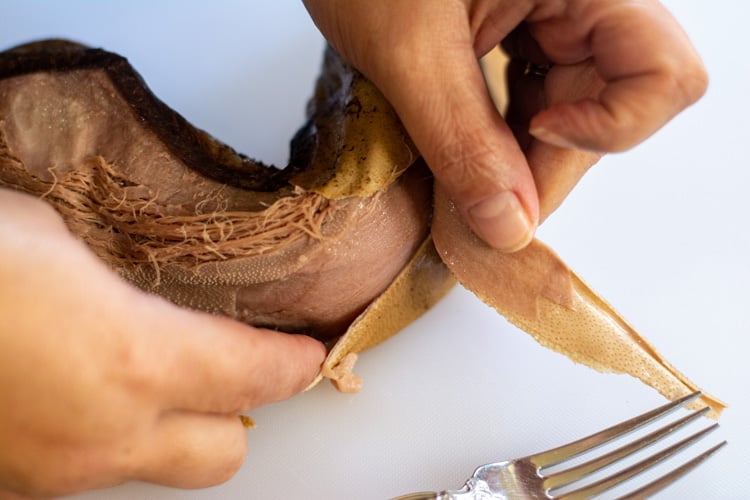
[{"x": 179, "y": 214}]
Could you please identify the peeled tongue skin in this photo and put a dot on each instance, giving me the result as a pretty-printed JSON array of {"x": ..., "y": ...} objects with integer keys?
[
  {"x": 181, "y": 215},
  {"x": 536, "y": 291}
]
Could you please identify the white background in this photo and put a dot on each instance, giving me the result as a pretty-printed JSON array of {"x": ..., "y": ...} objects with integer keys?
[{"x": 660, "y": 231}]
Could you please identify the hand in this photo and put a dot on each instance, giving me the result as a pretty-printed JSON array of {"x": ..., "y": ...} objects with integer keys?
[
  {"x": 101, "y": 383},
  {"x": 620, "y": 70}
]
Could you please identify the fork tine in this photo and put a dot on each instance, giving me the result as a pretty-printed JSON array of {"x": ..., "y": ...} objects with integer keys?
[
  {"x": 577, "y": 472},
  {"x": 570, "y": 450},
  {"x": 670, "y": 477},
  {"x": 627, "y": 473}
]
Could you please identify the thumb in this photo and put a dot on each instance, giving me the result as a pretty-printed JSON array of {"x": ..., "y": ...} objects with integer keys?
[
  {"x": 212, "y": 364},
  {"x": 444, "y": 104}
]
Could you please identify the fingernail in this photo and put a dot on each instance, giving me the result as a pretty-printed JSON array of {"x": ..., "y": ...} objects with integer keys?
[
  {"x": 552, "y": 138},
  {"x": 502, "y": 222}
]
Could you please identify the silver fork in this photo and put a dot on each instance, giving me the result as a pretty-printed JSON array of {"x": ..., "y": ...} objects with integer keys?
[{"x": 526, "y": 478}]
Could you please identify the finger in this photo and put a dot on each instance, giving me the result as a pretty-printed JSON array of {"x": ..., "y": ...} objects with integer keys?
[
  {"x": 191, "y": 450},
  {"x": 444, "y": 104},
  {"x": 556, "y": 169},
  {"x": 208, "y": 363},
  {"x": 650, "y": 69}
]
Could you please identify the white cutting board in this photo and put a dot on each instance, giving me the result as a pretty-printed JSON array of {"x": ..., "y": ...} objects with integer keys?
[{"x": 659, "y": 231}]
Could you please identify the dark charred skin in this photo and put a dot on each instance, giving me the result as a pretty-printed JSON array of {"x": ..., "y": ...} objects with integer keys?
[{"x": 194, "y": 147}]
